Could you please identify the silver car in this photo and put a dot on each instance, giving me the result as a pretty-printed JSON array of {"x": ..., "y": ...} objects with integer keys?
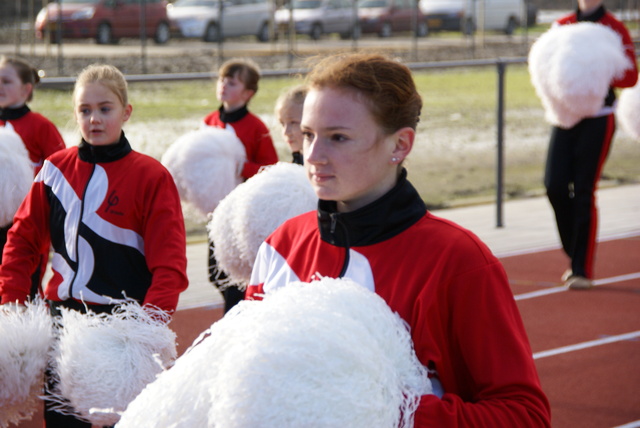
[
  {"x": 202, "y": 19},
  {"x": 318, "y": 17}
]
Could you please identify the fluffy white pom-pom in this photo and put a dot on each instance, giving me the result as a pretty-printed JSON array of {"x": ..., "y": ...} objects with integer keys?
[
  {"x": 102, "y": 362},
  {"x": 16, "y": 174},
  {"x": 205, "y": 165},
  {"x": 324, "y": 354},
  {"x": 254, "y": 209},
  {"x": 571, "y": 67},
  {"x": 26, "y": 334},
  {"x": 628, "y": 111}
]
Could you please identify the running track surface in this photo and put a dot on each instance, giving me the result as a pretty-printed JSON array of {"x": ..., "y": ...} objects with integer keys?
[{"x": 586, "y": 344}]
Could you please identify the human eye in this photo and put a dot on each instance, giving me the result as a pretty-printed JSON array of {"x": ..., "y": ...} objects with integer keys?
[
  {"x": 307, "y": 136},
  {"x": 338, "y": 137},
  {"x": 105, "y": 109}
]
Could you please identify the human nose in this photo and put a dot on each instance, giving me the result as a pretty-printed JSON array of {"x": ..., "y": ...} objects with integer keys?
[
  {"x": 314, "y": 151},
  {"x": 288, "y": 129}
]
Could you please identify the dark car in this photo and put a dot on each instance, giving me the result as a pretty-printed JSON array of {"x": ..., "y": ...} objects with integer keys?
[
  {"x": 385, "y": 17},
  {"x": 106, "y": 21}
]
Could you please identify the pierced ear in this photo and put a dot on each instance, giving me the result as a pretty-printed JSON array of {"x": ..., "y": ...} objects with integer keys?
[{"x": 404, "y": 139}]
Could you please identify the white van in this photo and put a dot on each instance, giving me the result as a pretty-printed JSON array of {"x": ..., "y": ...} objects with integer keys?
[{"x": 467, "y": 15}]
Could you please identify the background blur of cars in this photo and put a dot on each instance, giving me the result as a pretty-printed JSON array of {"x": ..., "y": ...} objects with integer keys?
[
  {"x": 106, "y": 21},
  {"x": 201, "y": 18},
  {"x": 317, "y": 17},
  {"x": 385, "y": 17},
  {"x": 469, "y": 15}
]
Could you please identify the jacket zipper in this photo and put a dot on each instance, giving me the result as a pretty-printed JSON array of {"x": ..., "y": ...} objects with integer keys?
[{"x": 332, "y": 229}]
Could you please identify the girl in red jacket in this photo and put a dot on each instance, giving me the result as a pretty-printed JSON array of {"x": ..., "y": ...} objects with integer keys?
[
  {"x": 39, "y": 135},
  {"x": 237, "y": 83},
  {"x": 359, "y": 124},
  {"x": 112, "y": 216}
]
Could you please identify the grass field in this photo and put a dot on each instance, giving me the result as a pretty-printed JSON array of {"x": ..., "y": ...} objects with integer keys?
[{"x": 454, "y": 158}]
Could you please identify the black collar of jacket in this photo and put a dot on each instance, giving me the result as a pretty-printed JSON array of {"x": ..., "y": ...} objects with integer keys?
[
  {"x": 594, "y": 16},
  {"x": 103, "y": 154},
  {"x": 233, "y": 116},
  {"x": 13, "y": 113},
  {"x": 391, "y": 214}
]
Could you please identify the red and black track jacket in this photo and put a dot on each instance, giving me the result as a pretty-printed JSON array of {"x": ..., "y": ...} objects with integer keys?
[
  {"x": 443, "y": 281},
  {"x": 114, "y": 219}
]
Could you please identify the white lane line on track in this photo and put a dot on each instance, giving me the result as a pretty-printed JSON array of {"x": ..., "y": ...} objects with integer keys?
[
  {"x": 634, "y": 424},
  {"x": 553, "y": 290},
  {"x": 585, "y": 345}
]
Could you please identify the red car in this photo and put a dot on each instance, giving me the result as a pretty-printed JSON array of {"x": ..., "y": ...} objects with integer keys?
[
  {"x": 386, "y": 17},
  {"x": 106, "y": 21}
]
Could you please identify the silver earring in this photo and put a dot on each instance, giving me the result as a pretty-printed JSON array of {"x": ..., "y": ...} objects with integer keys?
[{"x": 394, "y": 159}]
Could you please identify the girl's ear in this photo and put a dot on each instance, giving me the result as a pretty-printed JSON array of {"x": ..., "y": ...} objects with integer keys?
[
  {"x": 404, "y": 138},
  {"x": 27, "y": 90},
  {"x": 248, "y": 94},
  {"x": 127, "y": 112}
]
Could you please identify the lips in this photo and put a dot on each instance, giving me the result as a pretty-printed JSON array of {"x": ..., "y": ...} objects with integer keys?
[{"x": 318, "y": 177}]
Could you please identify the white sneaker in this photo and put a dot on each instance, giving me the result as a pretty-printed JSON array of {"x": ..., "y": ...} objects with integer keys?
[
  {"x": 579, "y": 283},
  {"x": 566, "y": 275}
]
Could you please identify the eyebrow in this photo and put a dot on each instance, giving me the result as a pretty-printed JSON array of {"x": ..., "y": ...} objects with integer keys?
[{"x": 101, "y": 103}]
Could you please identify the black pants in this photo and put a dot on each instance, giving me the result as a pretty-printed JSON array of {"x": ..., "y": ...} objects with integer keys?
[
  {"x": 574, "y": 164},
  {"x": 231, "y": 294}
]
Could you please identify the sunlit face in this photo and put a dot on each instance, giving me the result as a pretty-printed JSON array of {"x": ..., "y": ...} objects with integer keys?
[
  {"x": 231, "y": 92},
  {"x": 100, "y": 114},
  {"x": 13, "y": 93},
  {"x": 347, "y": 157},
  {"x": 289, "y": 116}
]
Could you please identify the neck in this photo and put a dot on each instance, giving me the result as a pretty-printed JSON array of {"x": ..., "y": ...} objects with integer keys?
[
  {"x": 229, "y": 108},
  {"x": 588, "y": 7}
]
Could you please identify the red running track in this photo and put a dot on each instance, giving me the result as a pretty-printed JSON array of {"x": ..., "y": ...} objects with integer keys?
[{"x": 586, "y": 343}]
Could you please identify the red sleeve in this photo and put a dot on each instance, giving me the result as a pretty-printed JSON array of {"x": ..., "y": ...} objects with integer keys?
[
  {"x": 49, "y": 138},
  {"x": 260, "y": 150},
  {"x": 165, "y": 243},
  {"x": 630, "y": 77},
  {"x": 27, "y": 239},
  {"x": 489, "y": 361}
]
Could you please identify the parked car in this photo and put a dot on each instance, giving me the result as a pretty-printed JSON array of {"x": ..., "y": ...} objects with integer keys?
[
  {"x": 318, "y": 17},
  {"x": 106, "y": 21},
  {"x": 201, "y": 18},
  {"x": 463, "y": 15},
  {"x": 385, "y": 17}
]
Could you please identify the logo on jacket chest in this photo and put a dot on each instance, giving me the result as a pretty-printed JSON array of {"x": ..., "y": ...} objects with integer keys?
[{"x": 112, "y": 202}]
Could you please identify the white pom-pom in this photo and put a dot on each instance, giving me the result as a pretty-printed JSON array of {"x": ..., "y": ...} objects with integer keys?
[
  {"x": 324, "y": 354},
  {"x": 102, "y": 362},
  {"x": 205, "y": 165},
  {"x": 26, "y": 334},
  {"x": 16, "y": 174},
  {"x": 571, "y": 68},
  {"x": 628, "y": 111},
  {"x": 253, "y": 210}
]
